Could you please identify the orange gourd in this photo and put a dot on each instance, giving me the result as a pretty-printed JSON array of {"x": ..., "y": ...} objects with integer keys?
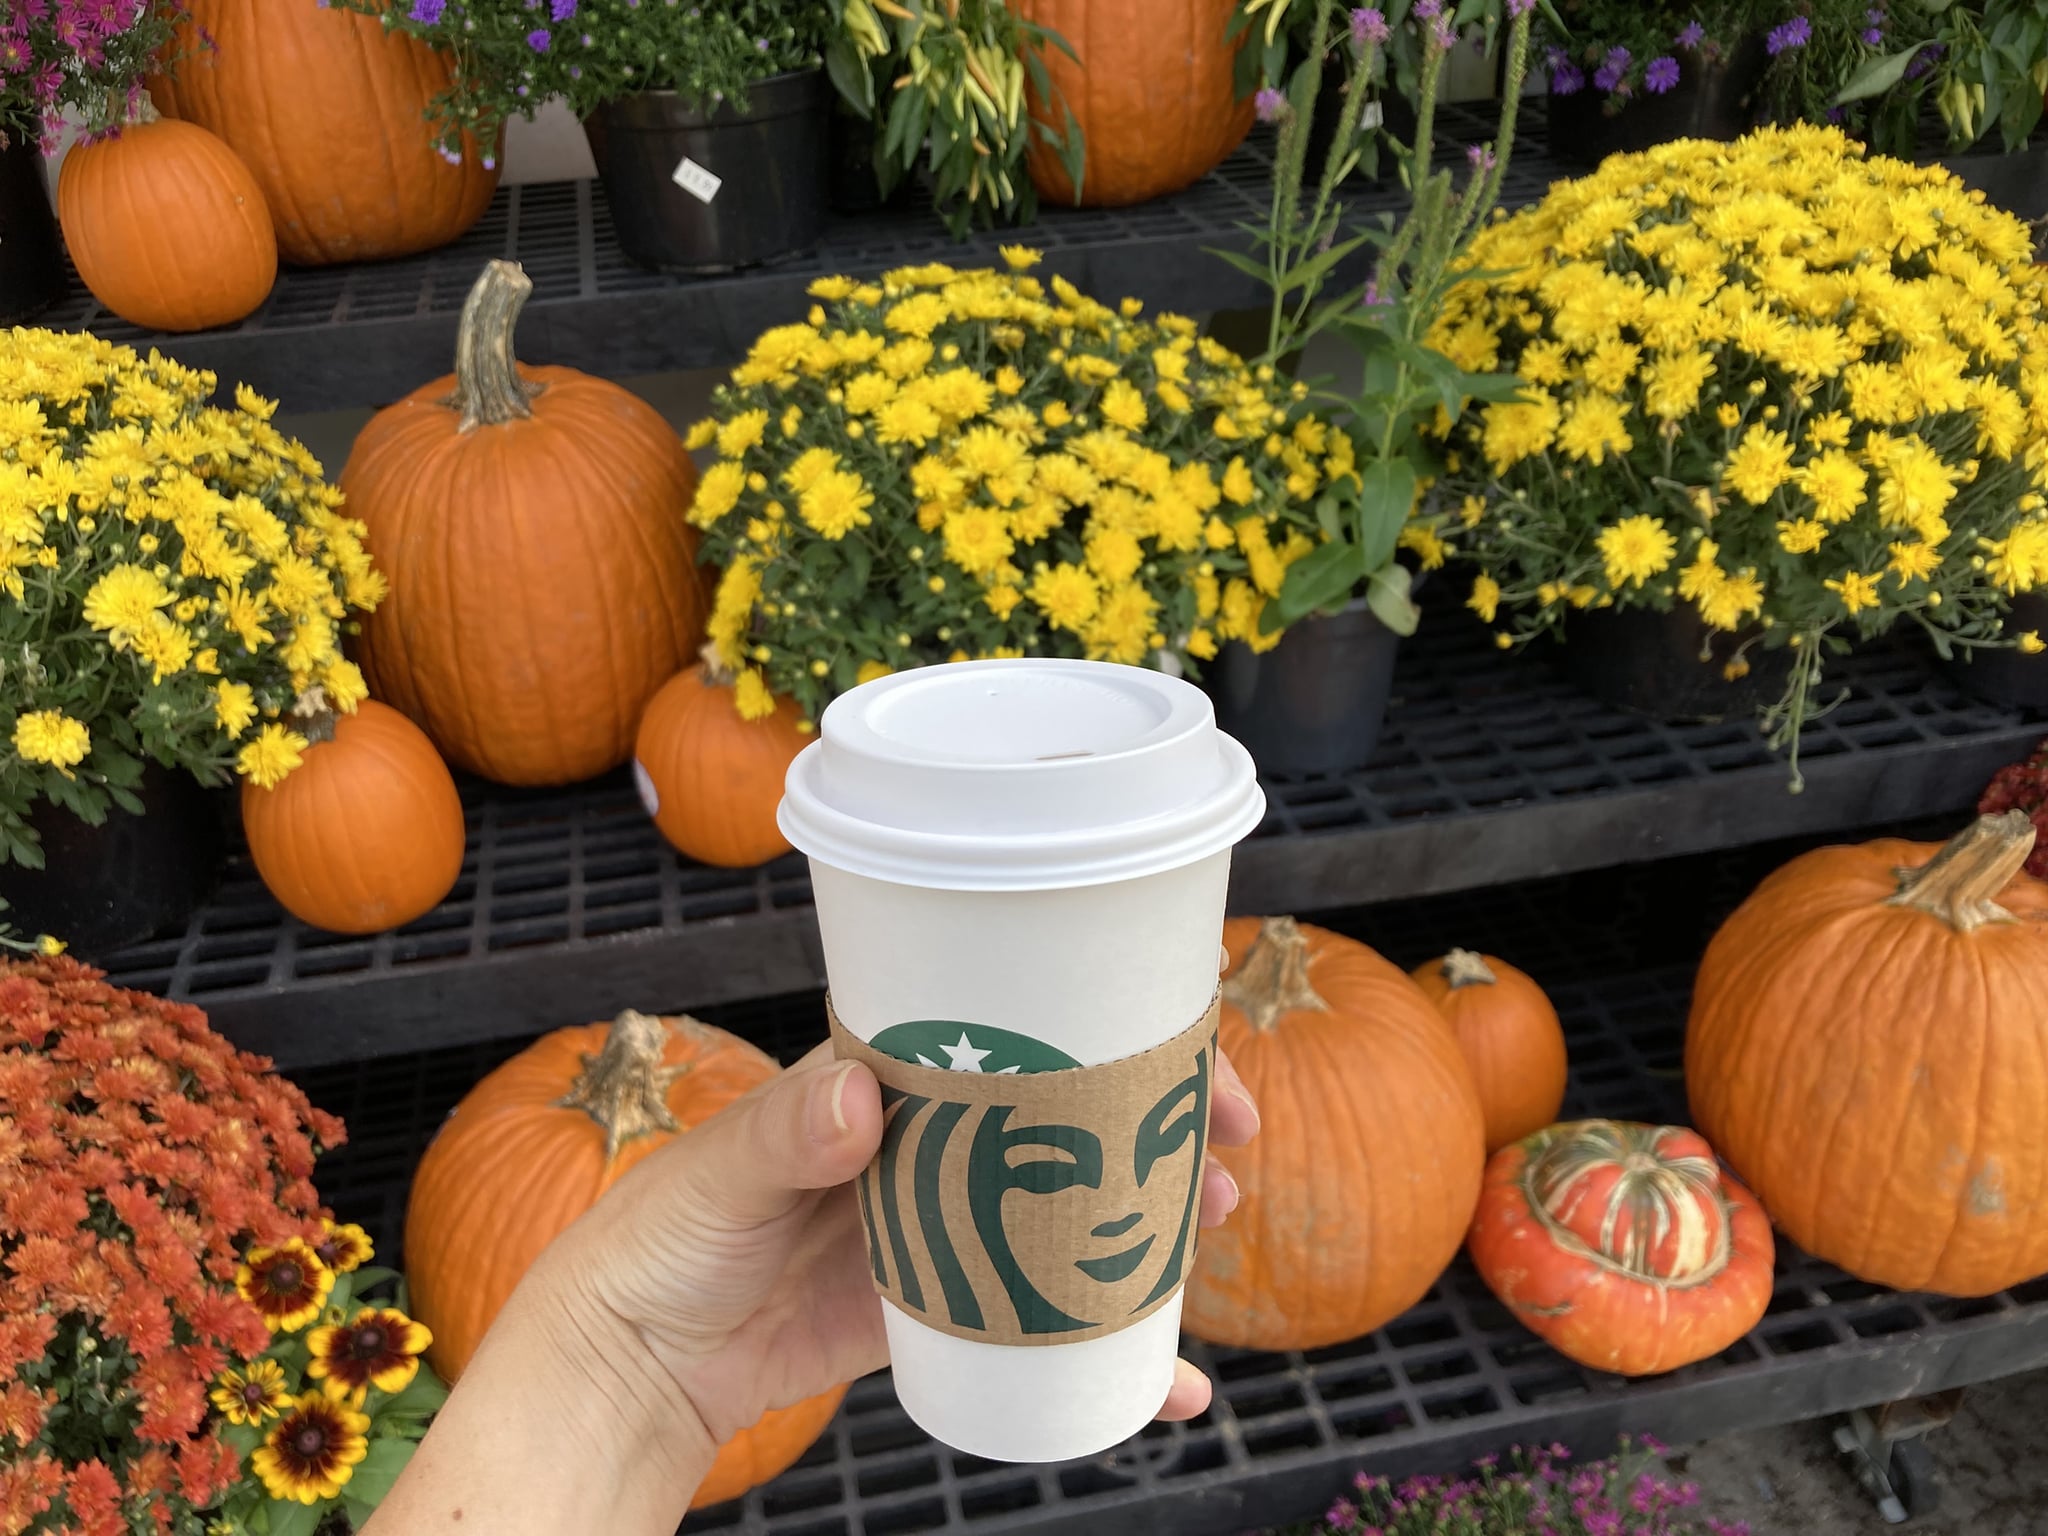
[
  {"x": 366, "y": 833},
  {"x": 328, "y": 109},
  {"x": 1360, "y": 1184},
  {"x": 543, "y": 583},
  {"x": 710, "y": 779},
  {"x": 1510, "y": 1036},
  {"x": 534, "y": 1145},
  {"x": 1866, "y": 1050},
  {"x": 166, "y": 226},
  {"x": 1155, "y": 94},
  {"x": 1623, "y": 1245}
]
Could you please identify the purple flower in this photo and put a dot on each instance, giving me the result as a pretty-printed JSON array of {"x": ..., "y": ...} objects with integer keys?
[
  {"x": 428, "y": 12},
  {"x": 538, "y": 39},
  {"x": 1368, "y": 25},
  {"x": 1873, "y": 37},
  {"x": 1566, "y": 79},
  {"x": 1270, "y": 105},
  {"x": 1693, "y": 35},
  {"x": 1787, "y": 35},
  {"x": 1661, "y": 74},
  {"x": 1442, "y": 34},
  {"x": 1613, "y": 69},
  {"x": 562, "y": 10},
  {"x": 1481, "y": 156},
  {"x": 1923, "y": 61},
  {"x": 1428, "y": 10},
  {"x": 1521, "y": 7}
]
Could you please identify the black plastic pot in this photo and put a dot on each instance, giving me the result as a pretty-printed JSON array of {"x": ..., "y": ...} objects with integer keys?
[
  {"x": 1715, "y": 100},
  {"x": 852, "y": 184},
  {"x": 133, "y": 877},
  {"x": 1668, "y": 666},
  {"x": 768, "y": 200},
  {"x": 31, "y": 252},
  {"x": 1315, "y": 703},
  {"x": 2016, "y": 182},
  {"x": 2008, "y": 678}
]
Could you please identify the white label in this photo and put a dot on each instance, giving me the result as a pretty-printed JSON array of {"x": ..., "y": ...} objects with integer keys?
[
  {"x": 697, "y": 181},
  {"x": 1371, "y": 117},
  {"x": 648, "y": 798}
]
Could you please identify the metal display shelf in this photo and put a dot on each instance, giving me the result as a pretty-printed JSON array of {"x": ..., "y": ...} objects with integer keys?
[
  {"x": 1492, "y": 770},
  {"x": 361, "y": 335},
  {"x": 1452, "y": 1379}
]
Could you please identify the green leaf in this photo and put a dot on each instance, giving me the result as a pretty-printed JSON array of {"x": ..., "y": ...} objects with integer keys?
[
  {"x": 369, "y": 1277},
  {"x": 378, "y": 1470},
  {"x": 850, "y": 75},
  {"x": 1386, "y": 593},
  {"x": 1073, "y": 151},
  {"x": 423, "y": 1395},
  {"x": 1328, "y": 517},
  {"x": 1876, "y": 77},
  {"x": 288, "y": 1517},
  {"x": 1386, "y": 492},
  {"x": 357, "y": 1511},
  {"x": 1252, "y": 269},
  {"x": 1312, "y": 270},
  {"x": 1320, "y": 578}
]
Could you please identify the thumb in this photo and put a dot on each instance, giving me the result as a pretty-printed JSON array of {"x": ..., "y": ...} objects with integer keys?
[{"x": 813, "y": 1127}]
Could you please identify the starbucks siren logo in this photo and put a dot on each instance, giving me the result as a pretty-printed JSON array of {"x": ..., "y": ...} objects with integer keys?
[{"x": 969, "y": 1048}]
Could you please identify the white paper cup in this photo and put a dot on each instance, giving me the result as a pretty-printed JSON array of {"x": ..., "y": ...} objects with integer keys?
[{"x": 1044, "y": 847}]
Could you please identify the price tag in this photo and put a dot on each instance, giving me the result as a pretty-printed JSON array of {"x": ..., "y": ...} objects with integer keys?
[
  {"x": 1369, "y": 119},
  {"x": 695, "y": 180}
]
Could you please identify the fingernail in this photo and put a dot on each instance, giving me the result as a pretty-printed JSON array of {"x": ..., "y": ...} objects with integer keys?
[
  {"x": 1236, "y": 1194},
  {"x": 1251, "y": 1108},
  {"x": 838, "y": 1099}
]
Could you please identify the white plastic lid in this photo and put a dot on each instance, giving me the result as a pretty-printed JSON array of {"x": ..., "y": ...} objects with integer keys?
[{"x": 1027, "y": 775}]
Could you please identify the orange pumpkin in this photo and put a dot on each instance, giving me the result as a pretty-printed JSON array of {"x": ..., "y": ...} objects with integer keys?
[
  {"x": 710, "y": 779},
  {"x": 366, "y": 833},
  {"x": 1510, "y": 1036},
  {"x": 1359, "y": 1186},
  {"x": 534, "y": 1145},
  {"x": 1623, "y": 1245},
  {"x": 1155, "y": 95},
  {"x": 1866, "y": 1050},
  {"x": 166, "y": 227},
  {"x": 543, "y": 583},
  {"x": 328, "y": 109}
]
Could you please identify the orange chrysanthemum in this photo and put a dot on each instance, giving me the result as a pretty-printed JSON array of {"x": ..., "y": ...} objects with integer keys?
[
  {"x": 313, "y": 1450},
  {"x": 288, "y": 1284},
  {"x": 343, "y": 1246},
  {"x": 379, "y": 1347}
]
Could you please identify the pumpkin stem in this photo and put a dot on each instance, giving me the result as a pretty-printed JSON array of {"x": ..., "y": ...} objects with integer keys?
[
  {"x": 488, "y": 388},
  {"x": 313, "y": 714},
  {"x": 716, "y": 672},
  {"x": 1960, "y": 884},
  {"x": 1462, "y": 968},
  {"x": 624, "y": 1087},
  {"x": 1272, "y": 979}
]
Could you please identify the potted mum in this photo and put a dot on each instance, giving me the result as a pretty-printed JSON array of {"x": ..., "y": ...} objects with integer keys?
[
  {"x": 1758, "y": 423},
  {"x": 176, "y": 574},
  {"x": 1316, "y": 704},
  {"x": 707, "y": 121},
  {"x": 187, "y": 1341},
  {"x": 943, "y": 465},
  {"x": 66, "y": 55}
]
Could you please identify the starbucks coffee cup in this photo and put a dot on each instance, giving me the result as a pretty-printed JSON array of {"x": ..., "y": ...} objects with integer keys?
[{"x": 1020, "y": 870}]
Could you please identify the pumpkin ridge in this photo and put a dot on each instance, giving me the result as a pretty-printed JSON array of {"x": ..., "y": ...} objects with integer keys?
[{"x": 1973, "y": 1106}]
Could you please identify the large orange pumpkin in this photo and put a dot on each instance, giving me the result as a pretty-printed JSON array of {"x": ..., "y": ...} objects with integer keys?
[
  {"x": 1867, "y": 1051},
  {"x": 1359, "y": 1186},
  {"x": 1155, "y": 95},
  {"x": 328, "y": 109},
  {"x": 1510, "y": 1036},
  {"x": 166, "y": 226},
  {"x": 1623, "y": 1245},
  {"x": 366, "y": 833},
  {"x": 710, "y": 779},
  {"x": 534, "y": 1145},
  {"x": 530, "y": 524}
]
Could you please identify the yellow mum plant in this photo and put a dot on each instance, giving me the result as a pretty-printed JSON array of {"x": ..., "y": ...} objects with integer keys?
[
  {"x": 176, "y": 575},
  {"x": 1800, "y": 388},
  {"x": 951, "y": 464}
]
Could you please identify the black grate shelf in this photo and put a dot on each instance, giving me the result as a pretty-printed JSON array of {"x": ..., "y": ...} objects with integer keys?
[
  {"x": 1492, "y": 770},
  {"x": 1452, "y": 1379}
]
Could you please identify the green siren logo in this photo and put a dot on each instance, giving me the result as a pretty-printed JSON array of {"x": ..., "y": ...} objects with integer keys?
[{"x": 1021, "y": 1198}]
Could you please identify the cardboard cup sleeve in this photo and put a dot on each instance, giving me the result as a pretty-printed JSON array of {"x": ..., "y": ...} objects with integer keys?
[{"x": 1019, "y": 1198}]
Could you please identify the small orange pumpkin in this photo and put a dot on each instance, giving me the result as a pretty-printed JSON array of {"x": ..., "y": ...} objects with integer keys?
[
  {"x": 1154, "y": 93},
  {"x": 1360, "y": 1184},
  {"x": 1623, "y": 1245},
  {"x": 366, "y": 833},
  {"x": 534, "y": 1145},
  {"x": 543, "y": 583},
  {"x": 1866, "y": 1049},
  {"x": 710, "y": 779},
  {"x": 166, "y": 226},
  {"x": 1509, "y": 1033}
]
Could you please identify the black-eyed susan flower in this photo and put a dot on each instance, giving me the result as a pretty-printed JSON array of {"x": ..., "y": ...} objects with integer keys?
[
  {"x": 312, "y": 1450},
  {"x": 343, "y": 1247},
  {"x": 379, "y": 1347},
  {"x": 288, "y": 1284},
  {"x": 250, "y": 1395}
]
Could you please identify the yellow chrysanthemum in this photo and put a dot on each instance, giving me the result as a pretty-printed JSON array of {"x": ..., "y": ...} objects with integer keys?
[
  {"x": 1066, "y": 594},
  {"x": 836, "y": 504},
  {"x": 1485, "y": 598},
  {"x": 273, "y": 755},
  {"x": 1802, "y": 536},
  {"x": 1761, "y": 462},
  {"x": 1856, "y": 590},
  {"x": 53, "y": 737},
  {"x": 1635, "y": 549},
  {"x": 1019, "y": 258}
]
